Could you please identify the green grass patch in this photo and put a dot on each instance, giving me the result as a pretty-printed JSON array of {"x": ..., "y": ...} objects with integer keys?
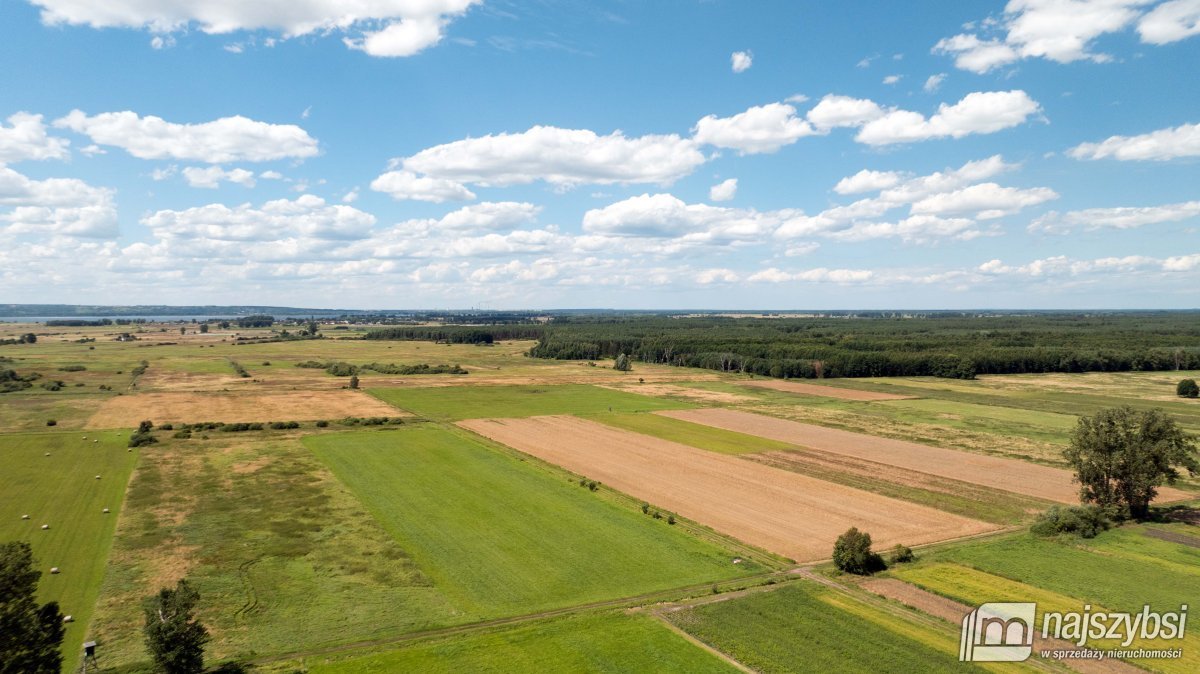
[
  {"x": 62, "y": 490},
  {"x": 587, "y": 643},
  {"x": 502, "y": 536},
  {"x": 453, "y": 403},
  {"x": 801, "y": 628},
  {"x": 695, "y": 435}
]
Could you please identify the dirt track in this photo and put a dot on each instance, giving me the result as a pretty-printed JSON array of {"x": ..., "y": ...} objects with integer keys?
[
  {"x": 163, "y": 407},
  {"x": 784, "y": 512},
  {"x": 1053, "y": 484},
  {"x": 823, "y": 391}
]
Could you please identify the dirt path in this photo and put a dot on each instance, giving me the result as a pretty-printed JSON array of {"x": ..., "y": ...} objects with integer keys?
[
  {"x": 1172, "y": 537},
  {"x": 1053, "y": 484},
  {"x": 787, "y": 513},
  {"x": 954, "y": 612},
  {"x": 823, "y": 391}
]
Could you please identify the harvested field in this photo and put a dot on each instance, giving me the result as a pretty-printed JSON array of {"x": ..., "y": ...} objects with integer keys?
[
  {"x": 672, "y": 390},
  {"x": 163, "y": 407},
  {"x": 780, "y": 511},
  {"x": 1053, "y": 484},
  {"x": 823, "y": 391},
  {"x": 952, "y": 611}
]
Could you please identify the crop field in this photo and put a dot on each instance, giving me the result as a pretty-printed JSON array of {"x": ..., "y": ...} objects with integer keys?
[
  {"x": 52, "y": 478},
  {"x": 519, "y": 401},
  {"x": 784, "y": 512},
  {"x": 549, "y": 542},
  {"x": 125, "y": 411}
]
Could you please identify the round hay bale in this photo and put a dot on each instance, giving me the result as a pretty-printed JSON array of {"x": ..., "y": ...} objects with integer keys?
[
  {"x": 24, "y": 517},
  {"x": 45, "y": 526},
  {"x": 106, "y": 510},
  {"x": 47, "y": 453},
  {"x": 54, "y": 569},
  {"x": 97, "y": 477},
  {"x": 68, "y": 618}
]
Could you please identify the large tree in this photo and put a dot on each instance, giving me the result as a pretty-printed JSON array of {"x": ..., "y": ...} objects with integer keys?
[
  {"x": 174, "y": 637},
  {"x": 1121, "y": 456},
  {"x": 30, "y": 635}
]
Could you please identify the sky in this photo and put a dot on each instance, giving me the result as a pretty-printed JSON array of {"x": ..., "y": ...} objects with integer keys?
[{"x": 652, "y": 154}]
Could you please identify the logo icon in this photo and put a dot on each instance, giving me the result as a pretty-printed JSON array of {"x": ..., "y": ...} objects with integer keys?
[{"x": 998, "y": 632}]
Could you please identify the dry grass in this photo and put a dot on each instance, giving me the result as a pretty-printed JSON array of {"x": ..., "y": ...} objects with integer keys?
[{"x": 188, "y": 407}]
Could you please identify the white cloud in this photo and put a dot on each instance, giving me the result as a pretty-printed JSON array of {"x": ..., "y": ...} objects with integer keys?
[
  {"x": 892, "y": 79},
  {"x": 719, "y": 275},
  {"x": 58, "y": 206},
  {"x": 913, "y": 229},
  {"x": 818, "y": 275},
  {"x": 934, "y": 82},
  {"x": 271, "y": 175},
  {"x": 489, "y": 216},
  {"x": 408, "y": 185},
  {"x": 307, "y": 216},
  {"x": 350, "y": 197},
  {"x": 381, "y": 27},
  {"x": 562, "y": 157},
  {"x": 211, "y": 177},
  {"x": 977, "y": 112},
  {"x": 1063, "y": 266},
  {"x": 760, "y": 129},
  {"x": 1064, "y": 30},
  {"x": 796, "y": 98},
  {"x": 664, "y": 216},
  {"x": 741, "y": 61},
  {"x": 1171, "y": 21},
  {"x": 842, "y": 111},
  {"x": 1124, "y": 217},
  {"x": 223, "y": 140},
  {"x": 724, "y": 190},
  {"x": 25, "y": 138},
  {"x": 985, "y": 200},
  {"x": 867, "y": 181},
  {"x": 1161, "y": 145}
]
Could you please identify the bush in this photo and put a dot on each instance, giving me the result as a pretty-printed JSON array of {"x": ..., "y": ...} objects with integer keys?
[
  {"x": 145, "y": 426},
  {"x": 645, "y": 508},
  {"x": 72, "y": 368},
  {"x": 322, "y": 423},
  {"x": 593, "y": 485},
  {"x": 1082, "y": 521},
  {"x": 53, "y": 385},
  {"x": 1187, "y": 389},
  {"x": 341, "y": 369},
  {"x": 167, "y": 427},
  {"x": 51, "y": 422},
  {"x": 901, "y": 554},
  {"x": 139, "y": 439},
  {"x": 183, "y": 435},
  {"x": 852, "y": 553},
  {"x": 670, "y": 519}
]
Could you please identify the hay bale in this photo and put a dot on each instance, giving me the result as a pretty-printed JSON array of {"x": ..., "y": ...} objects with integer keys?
[
  {"x": 47, "y": 453},
  {"x": 45, "y": 526},
  {"x": 106, "y": 510},
  {"x": 97, "y": 477},
  {"x": 68, "y": 618},
  {"x": 53, "y": 569}
]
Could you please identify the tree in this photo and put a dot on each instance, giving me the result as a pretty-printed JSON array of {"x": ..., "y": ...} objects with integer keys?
[
  {"x": 30, "y": 635},
  {"x": 29, "y": 338},
  {"x": 622, "y": 363},
  {"x": 1121, "y": 456},
  {"x": 183, "y": 330},
  {"x": 1187, "y": 389},
  {"x": 174, "y": 637},
  {"x": 852, "y": 553},
  {"x": 312, "y": 328},
  {"x": 353, "y": 381},
  {"x": 204, "y": 328}
]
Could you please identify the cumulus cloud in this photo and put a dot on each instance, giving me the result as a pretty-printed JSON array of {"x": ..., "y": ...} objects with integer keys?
[
  {"x": 1064, "y": 30},
  {"x": 223, "y": 140},
  {"x": 976, "y": 113},
  {"x": 892, "y": 79},
  {"x": 866, "y": 181},
  {"x": 211, "y": 177},
  {"x": 760, "y": 129},
  {"x": 25, "y": 138},
  {"x": 379, "y": 27},
  {"x": 408, "y": 185},
  {"x": 933, "y": 83},
  {"x": 985, "y": 200},
  {"x": 489, "y": 216},
  {"x": 843, "y": 111},
  {"x": 561, "y": 157},
  {"x": 724, "y": 190},
  {"x": 1161, "y": 145},
  {"x": 306, "y": 216},
  {"x": 1063, "y": 266},
  {"x": 818, "y": 275},
  {"x": 664, "y": 215},
  {"x": 1122, "y": 217},
  {"x": 741, "y": 61},
  {"x": 56, "y": 206}
]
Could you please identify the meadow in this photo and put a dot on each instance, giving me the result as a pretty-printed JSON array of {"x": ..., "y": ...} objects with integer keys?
[
  {"x": 457, "y": 403},
  {"x": 52, "y": 478}
]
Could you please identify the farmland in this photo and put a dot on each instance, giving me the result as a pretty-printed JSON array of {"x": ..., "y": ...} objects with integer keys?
[{"x": 542, "y": 514}]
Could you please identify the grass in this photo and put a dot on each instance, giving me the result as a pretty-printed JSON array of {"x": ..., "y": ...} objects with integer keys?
[
  {"x": 284, "y": 557},
  {"x": 803, "y": 628},
  {"x": 453, "y": 403},
  {"x": 695, "y": 435},
  {"x": 591, "y": 643},
  {"x": 501, "y": 536},
  {"x": 61, "y": 490}
]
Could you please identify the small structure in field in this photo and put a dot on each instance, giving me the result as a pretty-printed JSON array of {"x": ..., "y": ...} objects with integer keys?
[
  {"x": 24, "y": 517},
  {"x": 97, "y": 477},
  {"x": 45, "y": 526},
  {"x": 54, "y": 569},
  {"x": 106, "y": 511}
]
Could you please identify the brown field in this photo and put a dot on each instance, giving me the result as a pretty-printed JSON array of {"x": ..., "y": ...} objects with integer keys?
[
  {"x": 128, "y": 410},
  {"x": 823, "y": 391},
  {"x": 777, "y": 510},
  {"x": 698, "y": 395},
  {"x": 1053, "y": 484}
]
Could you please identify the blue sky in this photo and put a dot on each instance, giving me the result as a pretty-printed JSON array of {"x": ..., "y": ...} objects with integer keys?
[{"x": 551, "y": 154}]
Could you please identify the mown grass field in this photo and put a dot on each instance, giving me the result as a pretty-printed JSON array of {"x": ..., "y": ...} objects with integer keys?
[
  {"x": 501, "y": 536},
  {"x": 809, "y": 628},
  {"x": 457, "y": 403},
  {"x": 62, "y": 490},
  {"x": 696, "y": 435},
  {"x": 591, "y": 643}
]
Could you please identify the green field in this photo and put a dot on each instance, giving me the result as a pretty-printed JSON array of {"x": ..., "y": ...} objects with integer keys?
[
  {"x": 62, "y": 490},
  {"x": 697, "y": 435},
  {"x": 461, "y": 402},
  {"x": 500, "y": 536},
  {"x": 591, "y": 643},
  {"x": 808, "y": 628}
]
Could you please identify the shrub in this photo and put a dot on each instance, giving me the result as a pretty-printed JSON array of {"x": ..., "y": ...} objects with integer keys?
[
  {"x": 183, "y": 435},
  {"x": 901, "y": 554},
  {"x": 322, "y": 423},
  {"x": 167, "y": 427},
  {"x": 51, "y": 422},
  {"x": 1187, "y": 389},
  {"x": 645, "y": 508},
  {"x": 852, "y": 553},
  {"x": 53, "y": 385},
  {"x": 266, "y": 362},
  {"x": 145, "y": 426},
  {"x": 353, "y": 381},
  {"x": 341, "y": 369},
  {"x": 139, "y": 439},
  {"x": 312, "y": 364},
  {"x": 670, "y": 519},
  {"x": 1082, "y": 521},
  {"x": 72, "y": 368}
]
